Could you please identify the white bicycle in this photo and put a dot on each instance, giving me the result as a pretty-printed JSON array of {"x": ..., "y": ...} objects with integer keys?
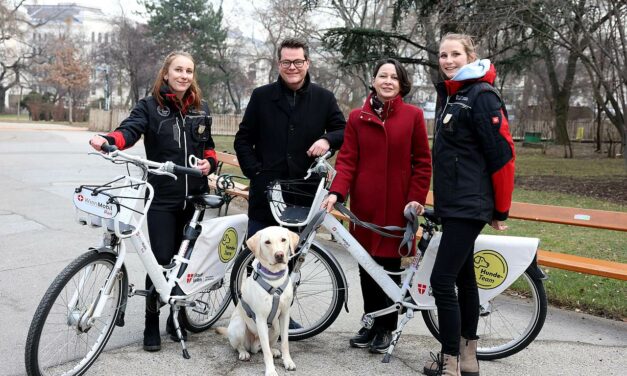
[
  {"x": 513, "y": 302},
  {"x": 82, "y": 306}
]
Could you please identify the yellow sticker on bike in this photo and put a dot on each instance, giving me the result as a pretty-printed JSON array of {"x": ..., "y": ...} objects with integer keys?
[
  {"x": 490, "y": 269},
  {"x": 228, "y": 245}
]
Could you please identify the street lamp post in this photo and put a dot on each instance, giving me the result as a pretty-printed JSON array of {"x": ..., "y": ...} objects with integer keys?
[{"x": 107, "y": 88}]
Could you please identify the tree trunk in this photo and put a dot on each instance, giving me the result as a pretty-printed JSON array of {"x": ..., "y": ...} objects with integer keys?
[
  {"x": 70, "y": 111},
  {"x": 561, "y": 121},
  {"x": 3, "y": 92},
  {"x": 599, "y": 125}
]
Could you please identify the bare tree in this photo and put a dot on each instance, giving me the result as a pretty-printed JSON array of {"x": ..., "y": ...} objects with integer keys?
[
  {"x": 17, "y": 52},
  {"x": 134, "y": 55},
  {"x": 68, "y": 71}
]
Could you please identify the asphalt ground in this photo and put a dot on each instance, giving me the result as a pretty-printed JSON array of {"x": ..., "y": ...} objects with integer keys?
[{"x": 39, "y": 167}]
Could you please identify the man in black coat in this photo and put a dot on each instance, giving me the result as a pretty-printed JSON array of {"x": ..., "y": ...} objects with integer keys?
[{"x": 286, "y": 125}]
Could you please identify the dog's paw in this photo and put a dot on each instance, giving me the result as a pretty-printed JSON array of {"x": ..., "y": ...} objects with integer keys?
[
  {"x": 289, "y": 364},
  {"x": 276, "y": 353},
  {"x": 244, "y": 355},
  {"x": 271, "y": 372}
]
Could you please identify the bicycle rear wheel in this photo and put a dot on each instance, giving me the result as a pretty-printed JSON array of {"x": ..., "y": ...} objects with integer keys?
[
  {"x": 58, "y": 343},
  {"x": 509, "y": 322},
  {"x": 319, "y": 291},
  {"x": 211, "y": 304}
]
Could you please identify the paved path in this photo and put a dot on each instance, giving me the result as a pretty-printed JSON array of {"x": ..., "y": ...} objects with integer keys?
[{"x": 39, "y": 167}]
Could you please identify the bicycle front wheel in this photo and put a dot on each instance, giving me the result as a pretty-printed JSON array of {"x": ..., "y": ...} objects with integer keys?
[
  {"x": 509, "y": 322},
  {"x": 211, "y": 303},
  {"x": 319, "y": 291},
  {"x": 61, "y": 339}
]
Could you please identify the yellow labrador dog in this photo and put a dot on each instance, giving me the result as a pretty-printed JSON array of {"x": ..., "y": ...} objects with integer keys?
[{"x": 266, "y": 295}]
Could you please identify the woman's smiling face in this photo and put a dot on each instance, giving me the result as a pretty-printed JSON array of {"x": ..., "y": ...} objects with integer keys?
[{"x": 452, "y": 57}]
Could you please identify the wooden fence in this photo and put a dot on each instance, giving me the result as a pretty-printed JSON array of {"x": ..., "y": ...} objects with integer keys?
[
  {"x": 227, "y": 125},
  {"x": 106, "y": 121}
]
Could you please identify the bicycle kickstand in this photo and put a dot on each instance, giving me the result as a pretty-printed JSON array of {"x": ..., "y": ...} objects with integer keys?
[
  {"x": 397, "y": 334},
  {"x": 179, "y": 334}
]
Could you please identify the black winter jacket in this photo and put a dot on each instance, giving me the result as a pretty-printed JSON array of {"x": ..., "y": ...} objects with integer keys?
[
  {"x": 273, "y": 137},
  {"x": 169, "y": 135},
  {"x": 473, "y": 152}
]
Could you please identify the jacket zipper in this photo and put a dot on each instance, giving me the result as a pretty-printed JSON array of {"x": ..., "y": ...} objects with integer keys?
[
  {"x": 184, "y": 159},
  {"x": 437, "y": 131}
]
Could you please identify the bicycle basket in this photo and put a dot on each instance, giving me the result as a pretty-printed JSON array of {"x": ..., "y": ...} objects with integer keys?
[
  {"x": 119, "y": 205},
  {"x": 294, "y": 202}
]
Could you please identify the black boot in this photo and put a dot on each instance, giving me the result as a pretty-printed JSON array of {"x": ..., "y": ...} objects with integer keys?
[
  {"x": 381, "y": 341},
  {"x": 169, "y": 328},
  {"x": 363, "y": 338},
  {"x": 152, "y": 337}
]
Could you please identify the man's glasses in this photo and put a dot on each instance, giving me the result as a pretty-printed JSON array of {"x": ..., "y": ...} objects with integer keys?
[{"x": 297, "y": 63}]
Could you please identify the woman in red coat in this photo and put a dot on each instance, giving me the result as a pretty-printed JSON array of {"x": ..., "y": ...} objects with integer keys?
[{"x": 385, "y": 166}]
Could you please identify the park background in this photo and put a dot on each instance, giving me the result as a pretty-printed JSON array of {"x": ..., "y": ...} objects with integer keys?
[{"x": 562, "y": 67}]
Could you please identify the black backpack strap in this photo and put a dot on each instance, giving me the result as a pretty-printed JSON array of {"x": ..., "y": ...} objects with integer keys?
[{"x": 481, "y": 87}]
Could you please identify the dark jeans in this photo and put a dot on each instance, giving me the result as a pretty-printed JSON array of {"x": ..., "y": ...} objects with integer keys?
[
  {"x": 375, "y": 298},
  {"x": 254, "y": 226},
  {"x": 458, "y": 314}
]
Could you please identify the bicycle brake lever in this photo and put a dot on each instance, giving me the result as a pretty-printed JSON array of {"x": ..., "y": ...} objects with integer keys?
[{"x": 160, "y": 171}]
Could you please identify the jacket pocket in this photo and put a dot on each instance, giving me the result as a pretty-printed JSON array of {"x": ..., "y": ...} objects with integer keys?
[
  {"x": 200, "y": 127},
  {"x": 453, "y": 115}
]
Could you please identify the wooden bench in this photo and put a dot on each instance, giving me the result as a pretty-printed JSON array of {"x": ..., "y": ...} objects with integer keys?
[{"x": 531, "y": 212}]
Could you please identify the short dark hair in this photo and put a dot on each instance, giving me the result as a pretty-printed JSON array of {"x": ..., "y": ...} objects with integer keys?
[
  {"x": 293, "y": 43},
  {"x": 401, "y": 73}
]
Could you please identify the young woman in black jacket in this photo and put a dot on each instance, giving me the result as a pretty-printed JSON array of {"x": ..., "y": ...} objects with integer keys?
[
  {"x": 176, "y": 124},
  {"x": 473, "y": 181}
]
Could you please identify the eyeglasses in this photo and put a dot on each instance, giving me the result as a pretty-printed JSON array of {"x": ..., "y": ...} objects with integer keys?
[{"x": 298, "y": 63}]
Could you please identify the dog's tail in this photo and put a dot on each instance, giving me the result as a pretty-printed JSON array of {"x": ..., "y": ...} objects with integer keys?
[{"x": 222, "y": 330}]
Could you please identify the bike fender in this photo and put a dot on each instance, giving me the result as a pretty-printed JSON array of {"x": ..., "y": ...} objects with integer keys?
[
  {"x": 339, "y": 267},
  {"x": 535, "y": 271}
]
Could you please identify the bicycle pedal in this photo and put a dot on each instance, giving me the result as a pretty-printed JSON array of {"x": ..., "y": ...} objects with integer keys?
[
  {"x": 132, "y": 291},
  {"x": 367, "y": 321}
]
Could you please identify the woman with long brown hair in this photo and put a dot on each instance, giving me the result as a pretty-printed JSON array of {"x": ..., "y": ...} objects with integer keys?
[{"x": 176, "y": 124}]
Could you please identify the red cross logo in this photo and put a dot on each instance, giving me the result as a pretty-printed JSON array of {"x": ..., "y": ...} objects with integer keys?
[
  {"x": 421, "y": 288},
  {"x": 190, "y": 276},
  {"x": 80, "y": 198}
]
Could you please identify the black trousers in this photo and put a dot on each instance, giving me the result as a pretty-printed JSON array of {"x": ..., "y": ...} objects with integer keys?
[
  {"x": 165, "y": 230},
  {"x": 375, "y": 298},
  {"x": 458, "y": 314}
]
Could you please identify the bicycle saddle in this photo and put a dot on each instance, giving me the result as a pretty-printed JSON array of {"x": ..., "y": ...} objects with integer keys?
[{"x": 206, "y": 200}]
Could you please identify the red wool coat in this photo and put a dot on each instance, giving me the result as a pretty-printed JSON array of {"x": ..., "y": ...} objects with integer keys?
[{"x": 383, "y": 165}]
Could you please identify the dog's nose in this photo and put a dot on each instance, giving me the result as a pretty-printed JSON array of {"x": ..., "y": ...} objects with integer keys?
[{"x": 279, "y": 257}]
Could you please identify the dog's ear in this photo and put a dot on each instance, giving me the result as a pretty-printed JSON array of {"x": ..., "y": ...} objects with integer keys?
[
  {"x": 294, "y": 238},
  {"x": 253, "y": 243}
]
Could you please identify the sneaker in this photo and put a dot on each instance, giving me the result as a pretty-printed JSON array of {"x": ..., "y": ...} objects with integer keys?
[
  {"x": 169, "y": 328},
  {"x": 381, "y": 341},
  {"x": 294, "y": 324},
  {"x": 363, "y": 338}
]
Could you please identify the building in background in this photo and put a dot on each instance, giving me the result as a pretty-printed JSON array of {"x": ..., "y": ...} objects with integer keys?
[{"x": 87, "y": 25}]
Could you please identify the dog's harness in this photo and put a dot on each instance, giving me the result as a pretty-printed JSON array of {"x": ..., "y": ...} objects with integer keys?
[{"x": 260, "y": 274}]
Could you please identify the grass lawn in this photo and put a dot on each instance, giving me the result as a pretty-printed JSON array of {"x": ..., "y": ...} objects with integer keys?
[
  {"x": 13, "y": 117},
  {"x": 601, "y": 296}
]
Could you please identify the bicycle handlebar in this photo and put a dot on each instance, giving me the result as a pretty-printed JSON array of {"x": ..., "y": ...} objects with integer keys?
[
  {"x": 108, "y": 148},
  {"x": 186, "y": 170},
  {"x": 158, "y": 168}
]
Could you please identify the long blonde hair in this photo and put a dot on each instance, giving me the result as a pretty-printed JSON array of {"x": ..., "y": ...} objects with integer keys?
[{"x": 194, "y": 89}]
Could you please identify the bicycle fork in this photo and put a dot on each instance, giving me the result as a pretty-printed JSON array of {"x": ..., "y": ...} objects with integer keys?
[{"x": 84, "y": 321}]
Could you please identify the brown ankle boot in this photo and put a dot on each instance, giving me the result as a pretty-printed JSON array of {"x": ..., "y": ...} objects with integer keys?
[
  {"x": 442, "y": 364},
  {"x": 468, "y": 363}
]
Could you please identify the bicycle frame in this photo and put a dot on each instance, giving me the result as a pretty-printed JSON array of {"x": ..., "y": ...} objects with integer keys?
[{"x": 508, "y": 257}]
